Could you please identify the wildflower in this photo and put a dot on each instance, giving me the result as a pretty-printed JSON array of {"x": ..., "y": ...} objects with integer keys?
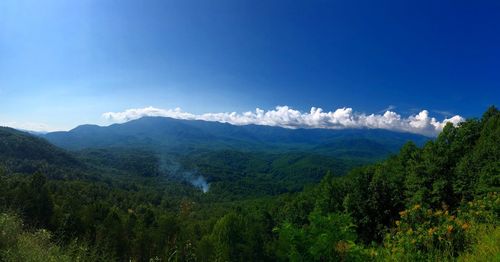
[
  {"x": 416, "y": 207},
  {"x": 450, "y": 228},
  {"x": 398, "y": 222},
  {"x": 403, "y": 213},
  {"x": 432, "y": 230},
  {"x": 465, "y": 226},
  {"x": 342, "y": 247}
]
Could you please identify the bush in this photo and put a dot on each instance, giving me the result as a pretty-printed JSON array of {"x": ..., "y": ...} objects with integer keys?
[
  {"x": 424, "y": 234},
  {"x": 17, "y": 244},
  {"x": 326, "y": 238}
]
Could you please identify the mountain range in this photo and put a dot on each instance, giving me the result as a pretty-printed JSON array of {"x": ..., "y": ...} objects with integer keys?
[
  {"x": 239, "y": 160},
  {"x": 164, "y": 134}
]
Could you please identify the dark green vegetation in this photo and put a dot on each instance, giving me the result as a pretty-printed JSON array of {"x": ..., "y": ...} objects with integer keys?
[
  {"x": 237, "y": 161},
  {"x": 243, "y": 174},
  {"x": 24, "y": 153},
  {"x": 435, "y": 202},
  {"x": 167, "y": 135}
]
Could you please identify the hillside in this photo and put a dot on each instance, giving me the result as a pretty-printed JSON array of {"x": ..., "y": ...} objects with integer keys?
[
  {"x": 437, "y": 202},
  {"x": 181, "y": 136},
  {"x": 234, "y": 160},
  {"x": 23, "y": 152},
  {"x": 433, "y": 203},
  {"x": 238, "y": 175}
]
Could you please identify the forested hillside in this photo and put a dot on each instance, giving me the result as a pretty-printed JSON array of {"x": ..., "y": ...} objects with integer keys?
[
  {"x": 433, "y": 202},
  {"x": 163, "y": 134},
  {"x": 22, "y": 152}
]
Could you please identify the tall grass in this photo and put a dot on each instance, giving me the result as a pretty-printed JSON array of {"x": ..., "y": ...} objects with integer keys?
[
  {"x": 486, "y": 247},
  {"x": 19, "y": 244}
]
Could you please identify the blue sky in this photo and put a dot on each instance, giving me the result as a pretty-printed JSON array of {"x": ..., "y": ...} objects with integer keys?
[{"x": 65, "y": 63}]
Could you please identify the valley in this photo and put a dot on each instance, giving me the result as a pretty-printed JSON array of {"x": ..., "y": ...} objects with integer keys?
[
  {"x": 242, "y": 131},
  {"x": 125, "y": 192}
]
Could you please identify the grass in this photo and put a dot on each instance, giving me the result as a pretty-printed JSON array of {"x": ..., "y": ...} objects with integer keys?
[
  {"x": 18, "y": 244},
  {"x": 487, "y": 246}
]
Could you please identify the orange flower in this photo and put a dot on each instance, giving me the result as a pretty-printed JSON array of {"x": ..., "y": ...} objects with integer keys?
[{"x": 342, "y": 247}]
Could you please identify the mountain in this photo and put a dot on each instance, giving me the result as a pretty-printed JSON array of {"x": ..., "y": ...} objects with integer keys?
[
  {"x": 435, "y": 202},
  {"x": 174, "y": 135},
  {"x": 24, "y": 152},
  {"x": 235, "y": 160}
]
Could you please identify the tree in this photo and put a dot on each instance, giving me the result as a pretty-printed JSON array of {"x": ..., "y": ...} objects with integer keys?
[
  {"x": 326, "y": 238},
  {"x": 38, "y": 206},
  {"x": 237, "y": 238}
]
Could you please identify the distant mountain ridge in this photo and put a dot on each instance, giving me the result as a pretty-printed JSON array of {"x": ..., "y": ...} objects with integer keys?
[
  {"x": 168, "y": 134},
  {"x": 24, "y": 152}
]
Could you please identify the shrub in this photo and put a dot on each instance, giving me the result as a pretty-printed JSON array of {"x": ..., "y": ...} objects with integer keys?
[
  {"x": 423, "y": 234},
  {"x": 326, "y": 238},
  {"x": 17, "y": 244}
]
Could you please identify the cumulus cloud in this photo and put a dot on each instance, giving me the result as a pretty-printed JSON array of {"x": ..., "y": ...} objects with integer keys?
[{"x": 287, "y": 117}]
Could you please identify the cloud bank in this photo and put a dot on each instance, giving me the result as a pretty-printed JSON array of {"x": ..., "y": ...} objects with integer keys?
[
  {"x": 29, "y": 126},
  {"x": 284, "y": 116}
]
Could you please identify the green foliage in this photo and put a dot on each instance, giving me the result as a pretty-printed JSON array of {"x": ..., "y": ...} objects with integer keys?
[
  {"x": 325, "y": 238},
  {"x": 25, "y": 153},
  {"x": 16, "y": 244},
  {"x": 486, "y": 245},
  {"x": 235, "y": 237},
  {"x": 426, "y": 234},
  {"x": 134, "y": 161},
  {"x": 437, "y": 202},
  {"x": 243, "y": 174}
]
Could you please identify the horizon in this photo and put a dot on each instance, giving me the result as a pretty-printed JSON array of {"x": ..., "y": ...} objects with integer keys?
[
  {"x": 287, "y": 118},
  {"x": 243, "y": 130},
  {"x": 65, "y": 64}
]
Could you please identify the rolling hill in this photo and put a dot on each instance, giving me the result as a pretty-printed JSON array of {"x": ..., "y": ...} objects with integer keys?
[
  {"x": 184, "y": 136},
  {"x": 24, "y": 152}
]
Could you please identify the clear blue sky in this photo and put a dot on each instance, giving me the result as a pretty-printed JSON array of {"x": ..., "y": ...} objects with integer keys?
[{"x": 64, "y": 63}]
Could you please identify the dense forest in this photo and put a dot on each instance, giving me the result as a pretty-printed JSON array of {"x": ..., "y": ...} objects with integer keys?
[{"x": 438, "y": 201}]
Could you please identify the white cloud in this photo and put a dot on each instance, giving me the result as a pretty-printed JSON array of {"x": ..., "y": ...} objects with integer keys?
[
  {"x": 29, "y": 126},
  {"x": 287, "y": 117}
]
